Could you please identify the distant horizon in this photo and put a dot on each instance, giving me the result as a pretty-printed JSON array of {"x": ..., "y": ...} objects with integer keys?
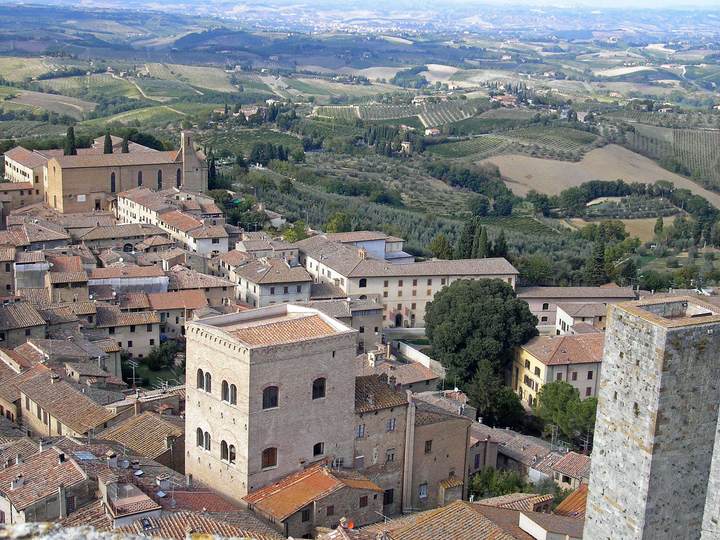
[{"x": 655, "y": 5}]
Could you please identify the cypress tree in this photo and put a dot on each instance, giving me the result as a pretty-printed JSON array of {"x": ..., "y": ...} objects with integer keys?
[
  {"x": 108, "y": 145},
  {"x": 480, "y": 243},
  {"x": 500, "y": 248},
  {"x": 463, "y": 249},
  {"x": 70, "y": 148},
  {"x": 595, "y": 273},
  {"x": 125, "y": 148}
]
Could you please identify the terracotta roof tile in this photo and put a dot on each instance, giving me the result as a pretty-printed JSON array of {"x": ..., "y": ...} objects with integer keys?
[
  {"x": 282, "y": 499},
  {"x": 134, "y": 300},
  {"x": 573, "y": 465},
  {"x": 576, "y": 293},
  {"x": 19, "y": 315},
  {"x": 61, "y": 400},
  {"x": 373, "y": 394},
  {"x": 126, "y": 272},
  {"x": 567, "y": 349},
  {"x": 42, "y": 476},
  {"x": 184, "y": 278},
  {"x": 109, "y": 316},
  {"x": 26, "y": 157},
  {"x": 518, "y": 501},
  {"x": 180, "y": 221},
  {"x": 267, "y": 271},
  {"x": 177, "y": 524},
  {"x": 284, "y": 331},
  {"x": 117, "y": 159},
  {"x": 9, "y": 389},
  {"x": 124, "y": 230},
  {"x": 584, "y": 309},
  {"x": 145, "y": 434},
  {"x": 209, "y": 231},
  {"x": 574, "y": 504},
  {"x": 187, "y": 299}
]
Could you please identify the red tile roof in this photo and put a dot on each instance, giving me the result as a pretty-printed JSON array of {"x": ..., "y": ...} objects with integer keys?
[
  {"x": 574, "y": 504},
  {"x": 126, "y": 272},
  {"x": 573, "y": 465},
  {"x": 568, "y": 349},
  {"x": 187, "y": 299},
  {"x": 284, "y": 331},
  {"x": 282, "y": 499}
]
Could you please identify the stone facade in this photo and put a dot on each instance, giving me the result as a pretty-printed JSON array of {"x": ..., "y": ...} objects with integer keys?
[
  {"x": 656, "y": 423},
  {"x": 292, "y": 423}
]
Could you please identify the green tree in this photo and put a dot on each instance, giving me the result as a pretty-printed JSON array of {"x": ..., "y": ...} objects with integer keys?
[
  {"x": 70, "y": 148},
  {"x": 500, "y": 247},
  {"x": 107, "y": 144},
  {"x": 535, "y": 269},
  {"x": 338, "y": 222},
  {"x": 296, "y": 232},
  {"x": 471, "y": 320},
  {"x": 481, "y": 248},
  {"x": 464, "y": 247},
  {"x": 559, "y": 404},
  {"x": 595, "y": 271},
  {"x": 440, "y": 247},
  {"x": 492, "y": 482},
  {"x": 125, "y": 147},
  {"x": 496, "y": 404},
  {"x": 659, "y": 225}
]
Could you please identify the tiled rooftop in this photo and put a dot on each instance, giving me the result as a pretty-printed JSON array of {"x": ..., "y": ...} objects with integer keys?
[
  {"x": 146, "y": 433},
  {"x": 568, "y": 349}
]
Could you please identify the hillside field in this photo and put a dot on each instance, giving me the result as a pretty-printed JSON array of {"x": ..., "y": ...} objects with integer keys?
[{"x": 611, "y": 162}]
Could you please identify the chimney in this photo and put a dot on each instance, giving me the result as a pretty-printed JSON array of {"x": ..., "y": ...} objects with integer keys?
[
  {"x": 18, "y": 459},
  {"x": 169, "y": 440},
  {"x": 62, "y": 501},
  {"x": 54, "y": 378},
  {"x": 362, "y": 253},
  {"x": 61, "y": 458},
  {"x": 17, "y": 482},
  {"x": 111, "y": 459},
  {"x": 163, "y": 482}
]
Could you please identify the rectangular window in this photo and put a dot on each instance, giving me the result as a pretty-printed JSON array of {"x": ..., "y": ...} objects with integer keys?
[
  {"x": 390, "y": 424},
  {"x": 272, "y": 290},
  {"x": 330, "y": 511},
  {"x": 360, "y": 431},
  {"x": 559, "y": 377},
  {"x": 389, "y": 455},
  {"x": 361, "y": 330},
  {"x": 400, "y": 282},
  {"x": 588, "y": 391},
  {"x": 385, "y": 283},
  {"x": 388, "y": 497},
  {"x": 574, "y": 375},
  {"x": 149, "y": 327},
  {"x": 590, "y": 375},
  {"x": 422, "y": 490},
  {"x": 132, "y": 328},
  {"x": 305, "y": 516},
  {"x": 111, "y": 330},
  {"x": 363, "y": 501},
  {"x": 27, "y": 331},
  {"x": 152, "y": 342},
  {"x": 298, "y": 288},
  {"x": 414, "y": 282},
  {"x": 285, "y": 290},
  {"x": 442, "y": 281},
  {"x": 429, "y": 282},
  {"x": 129, "y": 344},
  {"x": 428, "y": 446}
]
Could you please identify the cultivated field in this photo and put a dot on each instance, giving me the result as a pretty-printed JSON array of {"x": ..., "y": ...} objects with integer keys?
[
  {"x": 54, "y": 103},
  {"x": 97, "y": 84},
  {"x": 19, "y": 69},
  {"x": 203, "y": 77},
  {"x": 478, "y": 146},
  {"x": 620, "y": 71},
  {"x": 642, "y": 228},
  {"x": 611, "y": 162},
  {"x": 159, "y": 115}
]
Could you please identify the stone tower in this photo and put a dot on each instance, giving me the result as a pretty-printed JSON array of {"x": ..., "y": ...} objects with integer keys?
[
  {"x": 657, "y": 422},
  {"x": 195, "y": 167}
]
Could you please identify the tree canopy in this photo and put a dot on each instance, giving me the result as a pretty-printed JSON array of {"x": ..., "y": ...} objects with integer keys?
[
  {"x": 471, "y": 320},
  {"x": 559, "y": 404}
]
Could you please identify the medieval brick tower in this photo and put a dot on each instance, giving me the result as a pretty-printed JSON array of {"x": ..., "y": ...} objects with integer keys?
[
  {"x": 195, "y": 167},
  {"x": 657, "y": 423}
]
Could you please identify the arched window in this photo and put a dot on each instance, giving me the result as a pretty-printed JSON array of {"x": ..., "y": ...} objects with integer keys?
[
  {"x": 232, "y": 454},
  {"x": 200, "y": 379},
  {"x": 159, "y": 179},
  {"x": 270, "y": 397},
  {"x": 546, "y": 306},
  {"x": 139, "y": 178},
  {"x": 233, "y": 394},
  {"x": 269, "y": 458},
  {"x": 225, "y": 391},
  {"x": 224, "y": 451},
  {"x": 208, "y": 383},
  {"x": 112, "y": 182},
  {"x": 318, "y": 449},
  {"x": 178, "y": 178},
  {"x": 199, "y": 439},
  {"x": 363, "y": 283},
  {"x": 318, "y": 388},
  {"x": 207, "y": 441}
]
